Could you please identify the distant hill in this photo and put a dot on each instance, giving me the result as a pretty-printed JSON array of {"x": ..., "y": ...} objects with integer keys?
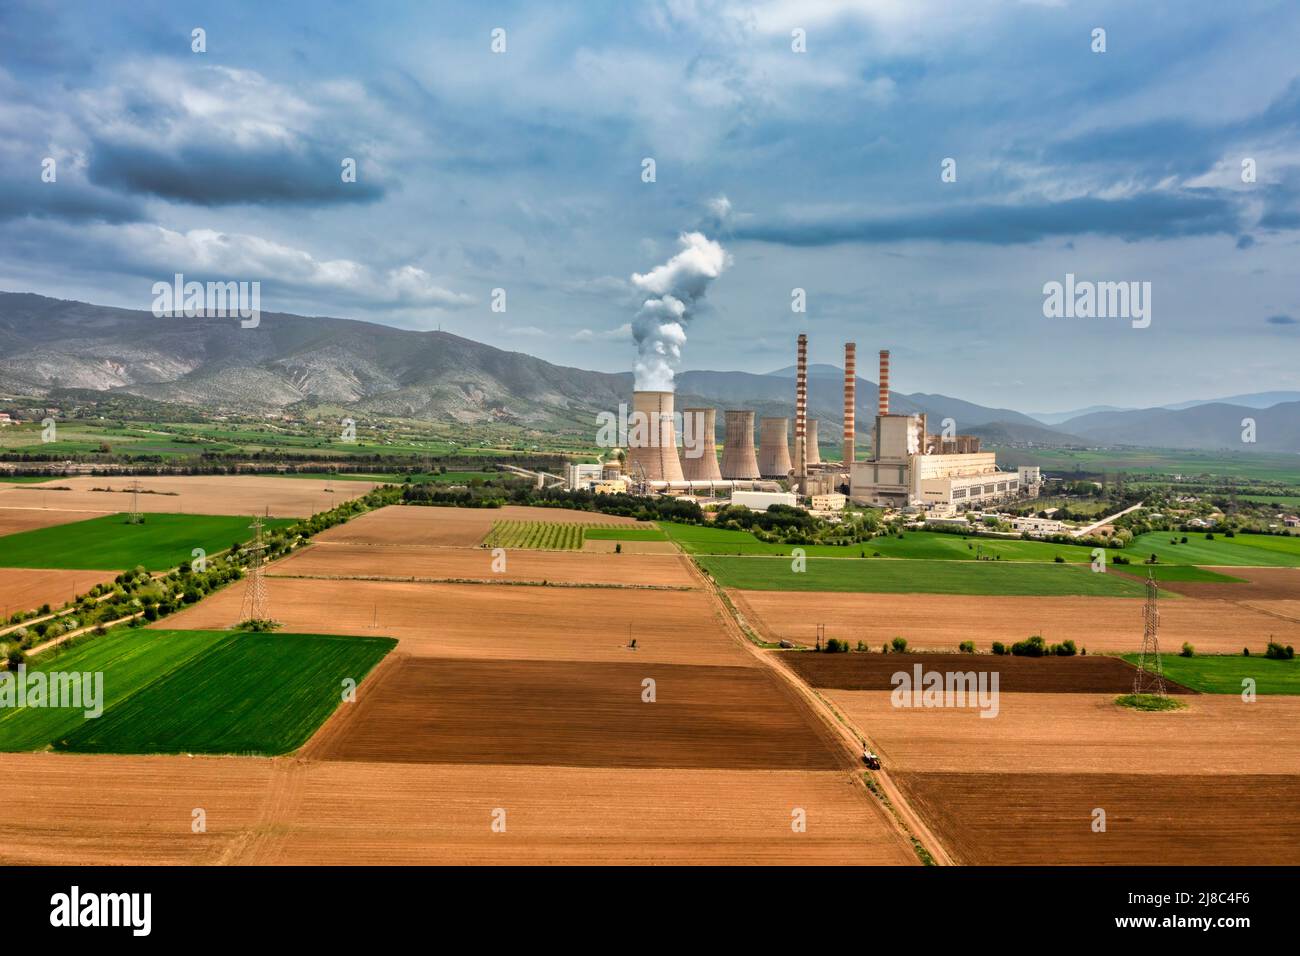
[
  {"x": 1214, "y": 426},
  {"x": 1056, "y": 418},
  {"x": 1250, "y": 400}
]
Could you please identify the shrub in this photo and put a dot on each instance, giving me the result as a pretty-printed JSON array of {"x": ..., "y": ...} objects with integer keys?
[
  {"x": 899, "y": 644},
  {"x": 966, "y": 647},
  {"x": 618, "y": 548},
  {"x": 835, "y": 646},
  {"x": 1066, "y": 649},
  {"x": 1058, "y": 559},
  {"x": 1245, "y": 652},
  {"x": 999, "y": 648},
  {"x": 1187, "y": 651},
  {"x": 1277, "y": 652},
  {"x": 1032, "y": 647},
  {"x": 862, "y": 646},
  {"x": 14, "y": 658}
]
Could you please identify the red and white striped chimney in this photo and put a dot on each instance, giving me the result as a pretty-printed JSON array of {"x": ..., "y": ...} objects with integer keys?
[
  {"x": 884, "y": 382},
  {"x": 801, "y": 409},
  {"x": 850, "y": 401}
]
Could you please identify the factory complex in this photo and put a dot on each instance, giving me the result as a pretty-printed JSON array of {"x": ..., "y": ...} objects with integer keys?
[{"x": 909, "y": 467}]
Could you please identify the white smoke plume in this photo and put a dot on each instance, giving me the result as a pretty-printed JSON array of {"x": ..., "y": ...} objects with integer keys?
[{"x": 675, "y": 291}]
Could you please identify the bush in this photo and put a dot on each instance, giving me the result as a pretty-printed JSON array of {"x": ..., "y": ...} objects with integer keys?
[
  {"x": 835, "y": 646},
  {"x": 15, "y": 657},
  {"x": 1032, "y": 647},
  {"x": 966, "y": 647},
  {"x": 899, "y": 644},
  {"x": 862, "y": 646},
  {"x": 999, "y": 648},
  {"x": 1058, "y": 559},
  {"x": 1245, "y": 652},
  {"x": 1187, "y": 651},
  {"x": 1277, "y": 652},
  {"x": 1066, "y": 649}
]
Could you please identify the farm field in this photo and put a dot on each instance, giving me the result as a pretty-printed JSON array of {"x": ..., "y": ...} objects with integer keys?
[
  {"x": 427, "y": 710},
  {"x": 1044, "y": 675},
  {"x": 449, "y": 527},
  {"x": 1244, "y": 550},
  {"x": 244, "y": 694},
  {"x": 1223, "y": 674},
  {"x": 647, "y": 532},
  {"x": 109, "y": 542},
  {"x": 197, "y": 494},
  {"x": 15, "y": 520},
  {"x": 1179, "y": 573},
  {"x": 24, "y": 589},
  {"x": 1275, "y": 468},
  {"x": 1021, "y": 787},
  {"x": 495, "y": 621},
  {"x": 918, "y": 577},
  {"x": 129, "y": 658},
  {"x": 404, "y": 562},
  {"x": 539, "y": 535},
  {"x": 1045, "y": 819},
  {"x": 942, "y": 622},
  {"x": 1257, "y": 584}
]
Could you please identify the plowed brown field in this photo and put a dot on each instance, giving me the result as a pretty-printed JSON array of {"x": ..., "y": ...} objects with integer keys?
[
  {"x": 943, "y": 621},
  {"x": 363, "y": 813},
  {"x": 429, "y": 710},
  {"x": 1044, "y": 675},
  {"x": 449, "y": 527},
  {"x": 1259, "y": 584},
  {"x": 1076, "y": 733},
  {"x": 28, "y": 588},
  {"x": 397, "y": 562},
  {"x": 493, "y": 621},
  {"x": 1175, "y": 820},
  {"x": 33, "y": 516},
  {"x": 198, "y": 494},
  {"x": 69, "y": 809}
]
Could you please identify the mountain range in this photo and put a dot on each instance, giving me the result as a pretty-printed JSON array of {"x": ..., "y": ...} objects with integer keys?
[{"x": 292, "y": 361}]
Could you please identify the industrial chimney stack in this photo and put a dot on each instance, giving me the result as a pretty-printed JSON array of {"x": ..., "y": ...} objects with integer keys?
[
  {"x": 801, "y": 412},
  {"x": 850, "y": 401},
  {"x": 884, "y": 382}
]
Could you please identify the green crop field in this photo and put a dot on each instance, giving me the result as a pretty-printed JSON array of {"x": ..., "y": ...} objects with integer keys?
[
  {"x": 1175, "y": 572},
  {"x": 1244, "y": 550},
  {"x": 916, "y": 577},
  {"x": 110, "y": 544},
  {"x": 624, "y": 533},
  {"x": 245, "y": 694},
  {"x": 1133, "y": 462},
  {"x": 925, "y": 545},
  {"x": 129, "y": 659},
  {"x": 1223, "y": 674},
  {"x": 539, "y": 535}
]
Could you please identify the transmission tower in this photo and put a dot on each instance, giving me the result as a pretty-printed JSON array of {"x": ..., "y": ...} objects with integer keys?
[
  {"x": 1150, "y": 677},
  {"x": 136, "y": 516},
  {"x": 254, "y": 608}
]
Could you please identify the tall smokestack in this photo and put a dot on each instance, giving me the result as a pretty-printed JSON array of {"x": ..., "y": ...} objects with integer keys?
[
  {"x": 801, "y": 410},
  {"x": 699, "y": 451},
  {"x": 884, "y": 382},
  {"x": 738, "y": 459},
  {"x": 774, "y": 447},
  {"x": 652, "y": 442},
  {"x": 850, "y": 401}
]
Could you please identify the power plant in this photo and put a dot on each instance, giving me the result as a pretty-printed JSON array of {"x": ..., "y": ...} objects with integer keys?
[{"x": 908, "y": 467}]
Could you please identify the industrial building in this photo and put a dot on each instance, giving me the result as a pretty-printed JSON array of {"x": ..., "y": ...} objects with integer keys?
[{"x": 909, "y": 467}]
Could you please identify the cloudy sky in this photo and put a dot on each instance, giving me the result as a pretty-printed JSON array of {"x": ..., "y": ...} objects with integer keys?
[{"x": 819, "y": 170}]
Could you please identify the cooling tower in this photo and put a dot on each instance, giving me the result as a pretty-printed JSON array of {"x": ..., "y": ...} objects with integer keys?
[
  {"x": 884, "y": 383},
  {"x": 774, "y": 447},
  {"x": 652, "y": 443},
  {"x": 738, "y": 459},
  {"x": 810, "y": 442},
  {"x": 850, "y": 399},
  {"x": 699, "y": 449}
]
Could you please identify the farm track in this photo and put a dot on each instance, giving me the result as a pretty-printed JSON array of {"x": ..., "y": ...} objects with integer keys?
[{"x": 903, "y": 820}]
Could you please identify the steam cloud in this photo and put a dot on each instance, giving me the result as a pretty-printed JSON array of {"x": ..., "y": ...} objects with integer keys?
[{"x": 675, "y": 291}]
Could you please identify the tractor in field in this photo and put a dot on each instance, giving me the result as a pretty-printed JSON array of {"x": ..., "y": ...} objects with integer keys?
[{"x": 870, "y": 759}]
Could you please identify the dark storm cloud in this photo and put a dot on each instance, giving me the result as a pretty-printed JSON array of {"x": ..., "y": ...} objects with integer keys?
[
  {"x": 67, "y": 200},
  {"x": 1151, "y": 215},
  {"x": 1282, "y": 320},
  {"x": 208, "y": 175}
]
